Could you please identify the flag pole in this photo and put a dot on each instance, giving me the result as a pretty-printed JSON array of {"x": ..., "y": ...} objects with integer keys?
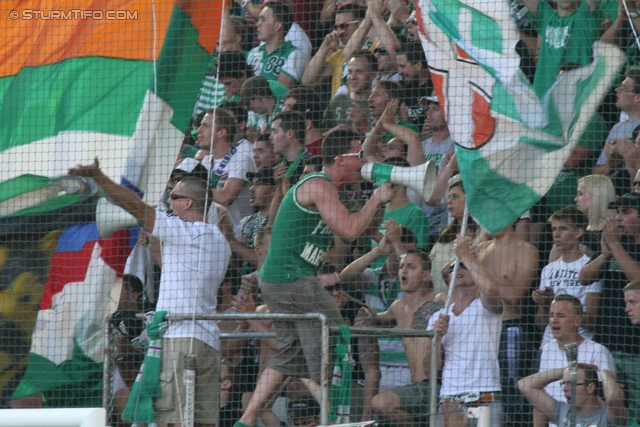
[
  {"x": 635, "y": 34},
  {"x": 435, "y": 341},
  {"x": 190, "y": 361},
  {"x": 456, "y": 266}
]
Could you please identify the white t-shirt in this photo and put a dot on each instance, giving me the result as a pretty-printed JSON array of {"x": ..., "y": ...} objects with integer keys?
[
  {"x": 588, "y": 352},
  {"x": 195, "y": 256},
  {"x": 299, "y": 38},
  {"x": 237, "y": 167},
  {"x": 562, "y": 277},
  {"x": 470, "y": 350},
  {"x": 246, "y": 146}
]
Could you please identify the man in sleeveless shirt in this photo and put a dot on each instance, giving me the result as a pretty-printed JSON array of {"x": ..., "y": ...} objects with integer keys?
[{"x": 309, "y": 215}]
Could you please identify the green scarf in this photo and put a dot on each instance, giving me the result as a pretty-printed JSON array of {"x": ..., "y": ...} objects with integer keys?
[
  {"x": 139, "y": 408},
  {"x": 341, "y": 382}
]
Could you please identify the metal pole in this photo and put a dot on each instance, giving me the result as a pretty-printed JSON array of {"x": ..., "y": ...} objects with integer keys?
[
  {"x": 435, "y": 341},
  {"x": 326, "y": 330},
  {"x": 456, "y": 266},
  {"x": 571, "y": 350},
  {"x": 106, "y": 366},
  {"x": 189, "y": 380},
  {"x": 325, "y": 405}
]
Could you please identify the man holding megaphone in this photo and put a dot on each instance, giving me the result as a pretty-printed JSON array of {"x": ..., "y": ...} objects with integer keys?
[
  {"x": 195, "y": 256},
  {"x": 309, "y": 216}
]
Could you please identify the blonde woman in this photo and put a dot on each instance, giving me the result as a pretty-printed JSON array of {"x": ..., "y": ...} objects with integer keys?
[{"x": 595, "y": 192}]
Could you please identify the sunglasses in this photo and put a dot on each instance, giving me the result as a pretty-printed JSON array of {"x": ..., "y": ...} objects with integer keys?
[
  {"x": 412, "y": 21},
  {"x": 380, "y": 51},
  {"x": 335, "y": 288},
  {"x": 174, "y": 196},
  {"x": 344, "y": 25},
  {"x": 359, "y": 155}
]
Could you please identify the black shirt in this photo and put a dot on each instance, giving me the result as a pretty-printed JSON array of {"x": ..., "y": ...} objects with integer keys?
[
  {"x": 412, "y": 95},
  {"x": 613, "y": 328}
]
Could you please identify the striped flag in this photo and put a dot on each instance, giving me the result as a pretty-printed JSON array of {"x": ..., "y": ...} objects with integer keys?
[
  {"x": 117, "y": 79},
  {"x": 511, "y": 145},
  {"x": 123, "y": 89}
]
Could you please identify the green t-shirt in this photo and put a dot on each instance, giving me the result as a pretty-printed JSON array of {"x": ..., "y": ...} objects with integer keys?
[
  {"x": 299, "y": 239},
  {"x": 414, "y": 219},
  {"x": 564, "y": 39},
  {"x": 563, "y": 191},
  {"x": 286, "y": 58}
]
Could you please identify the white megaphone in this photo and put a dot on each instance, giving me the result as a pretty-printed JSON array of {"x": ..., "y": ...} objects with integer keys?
[
  {"x": 111, "y": 218},
  {"x": 421, "y": 178}
]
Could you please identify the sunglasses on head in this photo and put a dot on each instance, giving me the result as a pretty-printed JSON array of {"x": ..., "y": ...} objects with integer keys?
[
  {"x": 344, "y": 25},
  {"x": 380, "y": 51}
]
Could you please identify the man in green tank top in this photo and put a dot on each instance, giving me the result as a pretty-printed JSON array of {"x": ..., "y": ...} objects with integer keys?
[{"x": 309, "y": 216}]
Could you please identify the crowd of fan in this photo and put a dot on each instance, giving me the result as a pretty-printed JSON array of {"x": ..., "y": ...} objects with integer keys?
[{"x": 567, "y": 271}]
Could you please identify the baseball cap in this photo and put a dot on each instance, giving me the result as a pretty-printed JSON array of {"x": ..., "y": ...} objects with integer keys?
[
  {"x": 629, "y": 200},
  {"x": 191, "y": 167},
  {"x": 264, "y": 175},
  {"x": 426, "y": 100},
  {"x": 127, "y": 324},
  {"x": 303, "y": 408}
]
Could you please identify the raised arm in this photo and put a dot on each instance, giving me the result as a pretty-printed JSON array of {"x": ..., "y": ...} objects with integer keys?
[
  {"x": 353, "y": 272},
  {"x": 371, "y": 146},
  {"x": 442, "y": 181},
  {"x": 358, "y": 38},
  {"x": 611, "y": 236},
  {"x": 415, "y": 153},
  {"x": 532, "y": 5},
  {"x": 384, "y": 33},
  {"x": 488, "y": 290},
  {"x": 318, "y": 70},
  {"x": 322, "y": 195},
  {"x": 120, "y": 195},
  {"x": 533, "y": 389}
]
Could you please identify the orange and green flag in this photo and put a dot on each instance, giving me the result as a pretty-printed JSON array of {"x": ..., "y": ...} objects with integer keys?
[{"x": 117, "y": 79}]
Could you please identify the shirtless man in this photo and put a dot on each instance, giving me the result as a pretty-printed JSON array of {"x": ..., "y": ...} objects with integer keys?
[
  {"x": 511, "y": 266},
  {"x": 405, "y": 405}
]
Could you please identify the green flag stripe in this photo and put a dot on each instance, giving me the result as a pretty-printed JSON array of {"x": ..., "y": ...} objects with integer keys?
[
  {"x": 487, "y": 189},
  {"x": 180, "y": 68},
  {"x": 82, "y": 94}
]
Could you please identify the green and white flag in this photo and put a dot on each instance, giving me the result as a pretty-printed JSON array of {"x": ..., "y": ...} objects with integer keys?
[{"x": 511, "y": 145}]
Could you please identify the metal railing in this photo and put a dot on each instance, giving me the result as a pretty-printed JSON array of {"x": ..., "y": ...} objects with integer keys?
[{"x": 326, "y": 347}]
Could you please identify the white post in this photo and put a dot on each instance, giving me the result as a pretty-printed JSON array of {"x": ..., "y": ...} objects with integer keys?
[
  {"x": 482, "y": 414},
  {"x": 60, "y": 417}
]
